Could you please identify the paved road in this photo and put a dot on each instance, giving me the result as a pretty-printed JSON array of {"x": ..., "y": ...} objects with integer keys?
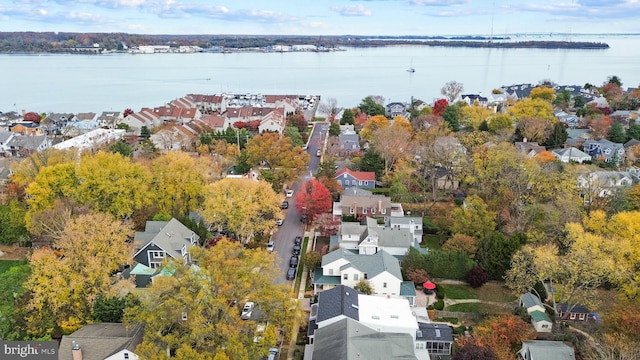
[{"x": 292, "y": 226}]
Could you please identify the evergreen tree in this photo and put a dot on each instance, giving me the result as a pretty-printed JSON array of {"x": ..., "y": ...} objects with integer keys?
[
  {"x": 617, "y": 134},
  {"x": 371, "y": 161},
  {"x": 451, "y": 115},
  {"x": 633, "y": 132},
  {"x": 347, "y": 117},
  {"x": 145, "y": 133},
  {"x": 557, "y": 137}
]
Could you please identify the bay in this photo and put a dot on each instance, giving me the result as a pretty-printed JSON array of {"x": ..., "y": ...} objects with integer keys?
[{"x": 113, "y": 82}]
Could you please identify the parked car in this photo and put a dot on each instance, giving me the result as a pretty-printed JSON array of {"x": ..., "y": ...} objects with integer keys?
[
  {"x": 279, "y": 222},
  {"x": 247, "y": 310},
  {"x": 318, "y": 153},
  {"x": 296, "y": 249},
  {"x": 297, "y": 240},
  {"x": 285, "y": 204},
  {"x": 293, "y": 262},
  {"x": 303, "y": 218},
  {"x": 289, "y": 193},
  {"x": 271, "y": 245},
  {"x": 273, "y": 354},
  {"x": 291, "y": 273}
]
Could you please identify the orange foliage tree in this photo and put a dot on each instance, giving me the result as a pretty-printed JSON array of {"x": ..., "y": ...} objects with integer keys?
[{"x": 504, "y": 335}]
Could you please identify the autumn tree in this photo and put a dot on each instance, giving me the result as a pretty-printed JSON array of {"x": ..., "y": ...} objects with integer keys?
[
  {"x": 243, "y": 207},
  {"x": 500, "y": 123},
  {"x": 364, "y": 286},
  {"x": 543, "y": 93},
  {"x": 473, "y": 351},
  {"x": 313, "y": 199},
  {"x": 503, "y": 334},
  {"x": 452, "y": 90},
  {"x": 177, "y": 182},
  {"x": 25, "y": 172},
  {"x": 200, "y": 306},
  {"x": 67, "y": 279},
  {"x": 532, "y": 108},
  {"x": 279, "y": 159},
  {"x": 462, "y": 243},
  {"x": 472, "y": 116},
  {"x": 391, "y": 143},
  {"x": 534, "y": 129},
  {"x": 373, "y": 123},
  {"x": 439, "y": 106},
  {"x": 312, "y": 260},
  {"x": 474, "y": 218},
  {"x": 418, "y": 276},
  {"x": 600, "y": 126},
  {"x": 298, "y": 121},
  {"x": 327, "y": 224}
]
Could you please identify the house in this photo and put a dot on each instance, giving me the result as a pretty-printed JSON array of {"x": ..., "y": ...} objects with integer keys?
[
  {"x": 274, "y": 121},
  {"x": 215, "y": 122},
  {"x": 348, "y": 141},
  {"x": 451, "y": 149},
  {"x": 604, "y": 149},
  {"x": 622, "y": 117},
  {"x": 418, "y": 105},
  {"x": 576, "y": 312},
  {"x": 101, "y": 341},
  {"x": 5, "y": 171},
  {"x": 577, "y": 137},
  {"x": 390, "y": 318},
  {"x": 571, "y": 154},
  {"x": 360, "y": 179},
  {"x": 173, "y": 137},
  {"x": 529, "y": 149},
  {"x": 531, "y": 303},
  {"x": 545, "y": 350},
  {"x": 109, "y": 119},
  {"x": 210, "y": 103},
  {"x": 541, "y": 321},
  {"x": 600, "y": 184},
  {"x": 145, "y": 117},
  {"x": 396, "y": 109},
  {"x": 599, "y": 102},
  {"x": 161, "y": 240},
  {"x": 444, "y": 179},
  {"x": 570, "y": 120},
  {"x": 412, "y": 223},
  {"x": 26, "y": 128},
  {"x": 345, "y": 267},
  {"x": 437, "y": 339},
  {"x": 471, "y": 99},
  {"x": 93, "y": 140},
  {"x": 371, "y": 238},
  {"x": 21, "y": 145},
  {"x": 5, "y": 137},
  {"x": 517, "y": 91},
  {"x": 358, "y": 202}
]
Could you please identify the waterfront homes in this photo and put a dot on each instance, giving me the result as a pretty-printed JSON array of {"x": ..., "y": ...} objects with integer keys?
[{"x": 350, "y": 325}]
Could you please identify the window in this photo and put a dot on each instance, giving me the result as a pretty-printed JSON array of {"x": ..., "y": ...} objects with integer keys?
[
  {"x": 364, "y": 210},
  {"x": 355, "y": 277},
  {"x": 184, "y": 316},
  {"x": 346, "y": 182},
  {"x": 384, "y": 285},
  {"x": 330, "y": 271},
  {"x": 360, "y": 182},
  {"x": 581, "y": 316},
  {"x": 345, "y": 276},
  {"x": 419, "y": 345},
  {"x": 156, "y": 254},
  {"x": 365, "y": 276},
  {"x": 350, "y": 210},
  {"x": 373, "y": 211},
  {"x": 572, "y": 316},
  {"x": 183, "y": 251},
  {"x": 384, "y": 211}
]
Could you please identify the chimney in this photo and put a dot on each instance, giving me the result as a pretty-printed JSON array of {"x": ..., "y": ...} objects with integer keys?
[
  {"x": 76, "y": 352},
  {"x": 379, "y": 206}
]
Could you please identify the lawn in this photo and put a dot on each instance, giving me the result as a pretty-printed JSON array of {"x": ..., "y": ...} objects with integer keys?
[
  {"x": 494, "y": 292},
  {"x": 458, "y": 292},
  {"x": 7, "y": 264},
  {"x": 430, "y": 241},
  {"x": 466, "y": 308}
]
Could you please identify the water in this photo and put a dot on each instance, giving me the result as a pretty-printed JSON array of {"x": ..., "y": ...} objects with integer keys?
[{"x": 95, "y": 83}]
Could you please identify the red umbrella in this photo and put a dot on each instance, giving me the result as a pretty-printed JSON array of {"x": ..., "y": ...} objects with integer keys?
[{"x": 429, "y": 285}]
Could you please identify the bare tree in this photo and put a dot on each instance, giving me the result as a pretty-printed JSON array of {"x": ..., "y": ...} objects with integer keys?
[
  {"x": 452, "y": 90},
  {"x": 329, "y": 107}
]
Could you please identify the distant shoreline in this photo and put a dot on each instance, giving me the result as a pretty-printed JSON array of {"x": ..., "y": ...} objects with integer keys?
[{"x": 99, "y": 43}]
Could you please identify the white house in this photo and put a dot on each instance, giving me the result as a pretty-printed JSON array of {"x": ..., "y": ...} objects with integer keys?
[
  {"x": 571, "y": 154},
  {"x": 274, "y": 121},
  {"x": 371, "y": 238}
]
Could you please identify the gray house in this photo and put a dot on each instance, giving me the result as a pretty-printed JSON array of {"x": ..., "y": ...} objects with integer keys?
[
  {"x": 161, "y": 240},
  {"x": 604, "y": 149},
  {"x": 436, "y": 338},
  {"x": 101, "y": 341}
]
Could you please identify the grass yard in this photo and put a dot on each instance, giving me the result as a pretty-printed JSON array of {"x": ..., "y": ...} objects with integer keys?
[
  {"x": 466, "y": 308},
  {"x": 458, "y": 292},
  {"x": 430, "y": 241},
  {"x": 7, "y": 264},
  {"x": 494, "y": 292}
]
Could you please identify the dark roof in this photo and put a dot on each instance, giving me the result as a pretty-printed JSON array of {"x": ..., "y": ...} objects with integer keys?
[
  {"x": 578, "y": 309},
  {"x": 434, "y": 332},
  {"x": 101, "y": 340},
  {"x": 341, "y": 300}
]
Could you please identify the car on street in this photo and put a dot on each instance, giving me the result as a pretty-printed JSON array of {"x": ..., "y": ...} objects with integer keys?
[
  {"x": 273, "y": 354},
  {"x": 271, "y": 245},
  {"x": 318, "y": 152},
  {"x": 285, "y": 204},
  {"x": 291, "y": 273},
  {"x": 279, "y": 222},
  {"x": 303, "y": 218},
  {"x": 293, "y": 261},
  {"x": 296, "y": 249},
  {"x": 289, "y": 193},
  {"x": 297, "y": 240},
  {"x": 247, "y": 310}
]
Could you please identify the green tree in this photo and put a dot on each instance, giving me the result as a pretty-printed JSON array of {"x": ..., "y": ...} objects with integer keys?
[
  {"x": 371, "y": 161},
  {"x": 499, "y": 123},
  {"x": 558, "y": 136},
  {"x": 370, "y": 107},
  {"x": 327, "y": 168},
  {"x": 364, "y": 287},
  {"x": 111, "y": 309},
  {"x": 614, "y": 80},
  {"x": 473, "y": 218},
  {"x": 334, "y": 129},
  {"x": 617, "y": 134},
  {"x": 347, "y": 117},
  {"x": 563, "y": 97},
  {"x": 200, "y": 306},
  {"x": 13, "y": 228},
  {"x": 579, "y": 102},
  {"x": 451, "y": 115},
  {"x": 494, "y": 254},
  {"x": 12, "y": 281},
  {"x": 145, "y": 133},
  {"x": 121, "y": 148},
  {"x": 633, "y": 132},
  {"x": 294, "y": 134}
]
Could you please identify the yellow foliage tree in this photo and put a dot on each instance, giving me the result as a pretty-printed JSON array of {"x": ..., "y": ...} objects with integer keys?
[
  {"x": 67, "y": 280},
  {"x": 200, "y": 306},
  {"x": 473, "y": 116},
  {"x": 25, "y": 172},
  {"x": 373, "y": 123},
  {"x": 243, "y": 207},
  {"x": 543, "y": 93},
  {"x": 279, "y": 160},
  {"x": 532, "y": 108}
]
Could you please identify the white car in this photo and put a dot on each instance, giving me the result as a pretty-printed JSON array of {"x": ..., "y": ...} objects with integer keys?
[
  {"x": 247, "y": 310},
  {"x": 289, "y": 193},
  {"x": 271, "y": 245},
  {"x": 279, "y": 222}
]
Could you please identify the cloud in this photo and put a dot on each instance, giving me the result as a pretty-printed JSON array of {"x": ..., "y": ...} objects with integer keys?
[
  {"x": 351, "y": 10},
  {"x": 437, "y": 2},
  {"x": 587, "y": 9}
]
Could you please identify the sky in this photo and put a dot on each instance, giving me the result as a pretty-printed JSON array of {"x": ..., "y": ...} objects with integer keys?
[{"x": 323, "y": 17}]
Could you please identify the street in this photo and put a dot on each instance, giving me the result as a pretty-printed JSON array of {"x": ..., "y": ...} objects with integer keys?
[{"x": 292, "y": 226}]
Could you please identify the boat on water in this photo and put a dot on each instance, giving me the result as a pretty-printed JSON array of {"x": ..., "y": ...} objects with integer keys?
[{"x": 411, "y": 70}]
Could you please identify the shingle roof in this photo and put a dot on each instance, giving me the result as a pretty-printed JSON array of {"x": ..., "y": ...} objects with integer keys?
[
  {"x": 529, "y": 300},
  {"x": 360, "y": 175},
  {"x": 373, "y": 265},
  {"x": 546, "y": 350},
  {"x": 538, "y": 316},
  {"x": 341, "y": 300},
  {"x": 578, "y": 309},
  {"x": 170, "y": 236},
  {"x": 407, "y": 288},
  {"x": 347, "y": 339},
  {"x": 434, "y": 332},
  {"x": 101, "y": 340}
]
